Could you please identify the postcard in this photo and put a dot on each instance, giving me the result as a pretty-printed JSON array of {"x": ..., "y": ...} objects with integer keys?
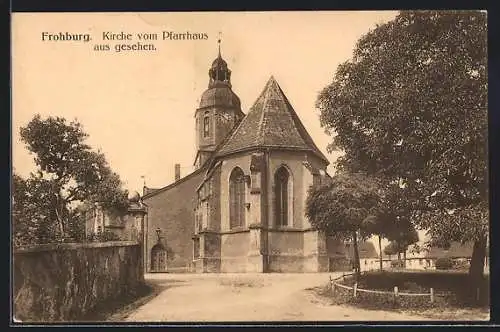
[{"x": 299, "y": 166}]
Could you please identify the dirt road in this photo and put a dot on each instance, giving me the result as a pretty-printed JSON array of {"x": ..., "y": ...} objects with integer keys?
[{"x": 247, "y": 297}]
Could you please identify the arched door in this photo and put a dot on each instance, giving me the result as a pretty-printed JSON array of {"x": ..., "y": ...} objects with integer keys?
[{"x": 158, "y": 258}]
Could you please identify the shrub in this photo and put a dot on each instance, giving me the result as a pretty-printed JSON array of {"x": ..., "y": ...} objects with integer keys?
[
  {"x": 444, "y": 263},
  {"x": 397, "y": 264},
  {"x": 461, "y": 264},
  {"x": 103, "y": 237},
  {"x": 413, "y": 287}
]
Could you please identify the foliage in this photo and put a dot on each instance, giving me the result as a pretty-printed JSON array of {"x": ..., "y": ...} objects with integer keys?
[
  {"x": 444, "y": 263},
  {"x": 392, "y": 219},
  {"x": 461, "y": 264},
  {"x": 401, "y": 241},
  {"x": 68, "y": 172},
  {"x": 418, "y": 248},
  {"x": 104, "y": 236},
  {"x": 32, "y": 214},
  {"x": 391, "y": 249},
  {"x": 411, "y": 108},
  {"x": 396, "y": 212},
  {"x": 341, "y": 206}
]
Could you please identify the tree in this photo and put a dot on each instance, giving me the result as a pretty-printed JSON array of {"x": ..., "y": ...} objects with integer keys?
[
  {"x": 393, "y": 227},
  {"x": 400, "y": 241},
  {"x": 391, "y": 249},
  {"x": 340, "y": 207},
  {"x": 411, "y": 107},
  {"x": 405, "y": 238},
  {"x": 68, "y": 173},
  {"x": 32, "y": 212},
  {"x": 376, "y": 224},
  {"x": 392, "y": 217}
]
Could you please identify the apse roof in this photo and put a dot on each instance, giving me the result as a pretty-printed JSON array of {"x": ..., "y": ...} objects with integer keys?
[{"x": 270, "y": 123}]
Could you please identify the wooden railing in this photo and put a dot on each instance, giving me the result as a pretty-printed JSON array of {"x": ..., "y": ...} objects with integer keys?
[{"x": 395, "y": 293}]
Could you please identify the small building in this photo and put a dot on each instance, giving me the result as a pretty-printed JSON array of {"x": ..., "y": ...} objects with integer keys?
[
  {"x": 368, "y": 257},
  {"x": 126, "y": 227},
  {"x": 461, "y": 254}
]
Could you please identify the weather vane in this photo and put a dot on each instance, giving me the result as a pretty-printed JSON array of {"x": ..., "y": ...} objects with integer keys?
[{"x": 219, "y": 40}]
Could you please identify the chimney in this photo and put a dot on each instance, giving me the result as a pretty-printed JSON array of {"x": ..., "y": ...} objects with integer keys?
[{"x": 177, "y": 172}]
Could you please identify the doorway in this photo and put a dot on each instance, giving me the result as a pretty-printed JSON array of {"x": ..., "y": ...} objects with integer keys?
[{"x": 158, "y": 258}]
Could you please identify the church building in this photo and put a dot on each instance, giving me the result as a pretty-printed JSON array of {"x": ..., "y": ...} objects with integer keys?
[{"x": 242, "y": 209}]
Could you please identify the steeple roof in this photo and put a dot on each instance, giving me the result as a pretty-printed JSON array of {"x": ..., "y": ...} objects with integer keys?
[
  {"x": 219, "y": 92},
  {"x": 270, "y": 123}
]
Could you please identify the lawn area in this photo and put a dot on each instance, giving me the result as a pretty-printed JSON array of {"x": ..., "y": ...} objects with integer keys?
[
  {"x": 441, "y": 281},
  {"x": 454, "y": 297}
]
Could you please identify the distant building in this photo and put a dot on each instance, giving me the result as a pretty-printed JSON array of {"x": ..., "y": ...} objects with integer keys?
[
  {"x": 127, "y": 227},
  {"x": 461, "y": 254},
  {"x": 368, "y": 256}
]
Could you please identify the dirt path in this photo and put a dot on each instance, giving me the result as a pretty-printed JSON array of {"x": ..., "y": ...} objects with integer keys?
[{"x": 247, "y": 297}]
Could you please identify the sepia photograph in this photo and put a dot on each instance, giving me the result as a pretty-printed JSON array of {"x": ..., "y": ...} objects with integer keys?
[{"x": 225, "y": 167}]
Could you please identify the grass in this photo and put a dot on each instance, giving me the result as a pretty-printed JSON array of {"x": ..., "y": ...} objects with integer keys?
[
  {"x": 453, "y": 299},
  {"x": 443, "y": 282}
]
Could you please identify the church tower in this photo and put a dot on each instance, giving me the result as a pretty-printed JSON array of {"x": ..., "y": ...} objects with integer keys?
[{"x": 219, "y": 111}]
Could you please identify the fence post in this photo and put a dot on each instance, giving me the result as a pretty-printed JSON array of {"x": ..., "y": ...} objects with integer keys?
[
  {"x": 432, "y": 295},
  {"x": 396, "y": 293},
  {"x": 355, "y": 288}
]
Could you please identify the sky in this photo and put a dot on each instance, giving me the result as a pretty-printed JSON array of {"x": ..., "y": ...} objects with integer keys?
[{"x": 138, "y": 107}]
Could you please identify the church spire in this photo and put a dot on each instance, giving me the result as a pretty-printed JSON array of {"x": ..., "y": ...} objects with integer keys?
[
  {"x": 218, "y": 42},
  {"x": 219, "y": 73}
]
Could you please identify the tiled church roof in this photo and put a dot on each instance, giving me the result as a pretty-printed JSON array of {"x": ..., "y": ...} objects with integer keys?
[{"x": 270, "y": 123}]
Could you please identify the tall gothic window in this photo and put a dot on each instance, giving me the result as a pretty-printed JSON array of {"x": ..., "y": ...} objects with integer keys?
[
  {"x": 281, "y": 190},
  {"x": 206, "y": 125},
  {"x": 236, "y": 198}
]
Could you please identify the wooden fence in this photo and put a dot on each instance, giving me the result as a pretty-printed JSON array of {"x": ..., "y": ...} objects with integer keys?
[{"x": 396, "y": 293}]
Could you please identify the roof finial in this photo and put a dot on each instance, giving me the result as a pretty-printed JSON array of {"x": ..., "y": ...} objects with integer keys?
[{"x": 218, "y": 42}]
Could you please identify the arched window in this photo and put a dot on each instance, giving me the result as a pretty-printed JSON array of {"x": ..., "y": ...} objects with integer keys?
[
  {"x": 281, "y": 192},
  {"x": 206, "y": 125},
  {"x": 237, "y": 198}
]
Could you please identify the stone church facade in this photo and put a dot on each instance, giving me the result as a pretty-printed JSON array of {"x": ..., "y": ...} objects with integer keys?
[{"x": 242, "y": 209}]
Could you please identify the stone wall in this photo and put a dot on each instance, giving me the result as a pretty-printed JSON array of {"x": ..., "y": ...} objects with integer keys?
[
  {"x": 62, "y": 282},
  {"x": 234, "y": 251},
  {"x": 286, "y": 251}
]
